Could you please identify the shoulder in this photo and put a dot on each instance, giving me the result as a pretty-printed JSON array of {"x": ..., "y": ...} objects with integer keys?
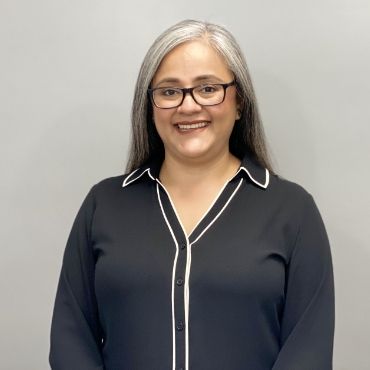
[
  {"x": 110, "y": 182},
  {"x": 296, "y": 210},
  {"x": 288, "y": 191},
  {"x": 107, "y": 187},
  {"x": 119, "y": 187},
  {"x": 289, "y": 199}
]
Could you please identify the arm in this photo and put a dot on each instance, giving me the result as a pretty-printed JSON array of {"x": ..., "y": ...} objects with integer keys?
[
  {"x": 75, "y": 332},
  {"x": 307, "y": 325}
]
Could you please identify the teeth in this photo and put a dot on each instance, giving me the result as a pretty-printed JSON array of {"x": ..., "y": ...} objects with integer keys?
[{"x": 193, "y": 125}]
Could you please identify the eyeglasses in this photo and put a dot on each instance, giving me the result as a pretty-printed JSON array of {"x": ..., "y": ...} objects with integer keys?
[{"x": 173, "y": 97}]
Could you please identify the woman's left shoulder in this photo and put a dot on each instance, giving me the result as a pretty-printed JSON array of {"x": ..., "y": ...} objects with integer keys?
[{"x": 289, "y": 192}]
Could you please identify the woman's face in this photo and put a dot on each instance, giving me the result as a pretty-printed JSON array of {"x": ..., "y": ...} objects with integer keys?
[{"x": 191, "y": 64}]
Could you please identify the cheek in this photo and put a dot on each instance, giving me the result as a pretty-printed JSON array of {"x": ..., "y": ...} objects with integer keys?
[
  {"x": 157, "y": 117},
  {"x": 228, "y": 108},
  {"x": 162, "y": 119},
  {"x": 225, "y": 112}
]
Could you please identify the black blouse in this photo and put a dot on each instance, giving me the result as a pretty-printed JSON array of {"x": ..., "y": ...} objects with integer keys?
[{"x": 251, "y": 288}]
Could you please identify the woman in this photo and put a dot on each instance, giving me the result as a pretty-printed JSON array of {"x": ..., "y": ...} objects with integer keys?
[{"x": 200, "y": 257}]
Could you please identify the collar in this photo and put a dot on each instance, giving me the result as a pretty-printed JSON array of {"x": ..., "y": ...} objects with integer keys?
[
  {"x": 254, "y": 171},
  {"x": 150, "y": 169},
  {"x": 248, "y": 167}
]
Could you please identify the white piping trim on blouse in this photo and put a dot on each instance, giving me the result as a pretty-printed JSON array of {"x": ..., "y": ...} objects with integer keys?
[
  {"x": 267, "y": 180},
  {"x": 126, "y": 182},
  {"x": 188, "y": 261},
  {"x": 173, "y": 283},
  {"x": 187, "y": 303},
  {"x": 267, "y": 177},
  {"x": 219, "y": 213},
  {"x": 210, "y": 207},
  {"x": 186, "y": 278}
]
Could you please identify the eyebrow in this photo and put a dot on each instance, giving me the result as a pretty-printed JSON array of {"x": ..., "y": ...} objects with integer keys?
[{"x": 197, "y": 79}]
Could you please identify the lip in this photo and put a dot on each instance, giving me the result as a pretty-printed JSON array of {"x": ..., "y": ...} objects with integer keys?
[
  {"x": 191, "y": 122},
  {"x": 185, "y": 131}
]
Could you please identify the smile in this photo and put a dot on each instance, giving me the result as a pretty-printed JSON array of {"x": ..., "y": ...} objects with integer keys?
[{"x": 191, "y": 126}]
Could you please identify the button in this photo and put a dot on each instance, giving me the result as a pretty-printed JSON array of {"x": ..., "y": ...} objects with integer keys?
[
  {"x": 179, "y": 281},
  {"x": 183, "y": 246},
  {"x": 180, "y": 326}
]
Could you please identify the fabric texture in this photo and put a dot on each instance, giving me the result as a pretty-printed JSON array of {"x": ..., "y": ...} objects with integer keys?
[{"x": 251, "y": 288}]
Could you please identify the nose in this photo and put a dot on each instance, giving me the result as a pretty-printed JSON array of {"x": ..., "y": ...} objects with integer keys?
[{"x": 189, "y": 104}]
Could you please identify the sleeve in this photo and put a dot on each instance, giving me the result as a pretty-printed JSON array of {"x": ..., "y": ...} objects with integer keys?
[
  {"x": 75, "y": 340},
  {"x": 307, "y": 325}
]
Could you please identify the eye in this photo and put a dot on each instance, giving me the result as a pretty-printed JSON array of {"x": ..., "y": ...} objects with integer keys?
[
  {"x": 168, "y": 92},
  {"x": 209, "y": 89}
]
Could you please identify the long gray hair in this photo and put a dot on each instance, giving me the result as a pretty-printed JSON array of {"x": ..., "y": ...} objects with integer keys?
[{"x": 247, "y": 135}]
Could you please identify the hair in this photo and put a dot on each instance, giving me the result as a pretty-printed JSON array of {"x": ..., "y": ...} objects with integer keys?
[{"x": 247, "y": 135}]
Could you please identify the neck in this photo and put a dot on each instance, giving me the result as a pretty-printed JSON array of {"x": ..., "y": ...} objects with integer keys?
[{"x": 176, "y": 173}]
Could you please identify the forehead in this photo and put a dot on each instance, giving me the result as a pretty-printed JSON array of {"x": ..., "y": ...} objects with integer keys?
[{"x": 188, "y": 62}]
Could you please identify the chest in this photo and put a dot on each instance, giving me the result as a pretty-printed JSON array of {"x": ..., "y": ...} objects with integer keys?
[
  {"x": 229, "y": 246},
  {"x": 192, "y": 208}
]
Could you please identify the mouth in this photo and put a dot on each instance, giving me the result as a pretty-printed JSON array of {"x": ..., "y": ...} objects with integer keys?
[{"x": 190, "y": 126}]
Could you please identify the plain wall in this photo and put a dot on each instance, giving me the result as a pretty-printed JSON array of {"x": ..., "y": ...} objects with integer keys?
[{"x": 67, "y": 76}]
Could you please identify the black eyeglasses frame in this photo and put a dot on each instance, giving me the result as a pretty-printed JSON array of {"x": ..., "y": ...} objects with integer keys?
[{"x": 189, "y": 90}]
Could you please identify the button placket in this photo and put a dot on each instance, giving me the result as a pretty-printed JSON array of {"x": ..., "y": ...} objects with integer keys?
[
  {"x": 179, "y": 302},
  {"x": 179, "y": 284},
  {"x": 180, "y": 325}
]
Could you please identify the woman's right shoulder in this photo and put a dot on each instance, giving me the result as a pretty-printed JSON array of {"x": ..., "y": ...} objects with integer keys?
[{"x": 108, "y": 185}]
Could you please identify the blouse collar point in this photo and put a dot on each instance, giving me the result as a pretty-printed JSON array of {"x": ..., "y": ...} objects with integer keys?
[
  {"x": 258, "y": 174},
  {"x": 136, "y": 174},
  {"x": 254, "y": 171}
]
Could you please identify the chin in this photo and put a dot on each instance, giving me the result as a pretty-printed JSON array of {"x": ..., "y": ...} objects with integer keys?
[
  {"x": 194, "y": 150},
  {"x": 195, "y": 154}
]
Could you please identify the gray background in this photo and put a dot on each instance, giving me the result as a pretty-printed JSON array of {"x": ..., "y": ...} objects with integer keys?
[{"x": 67, "y": 76}]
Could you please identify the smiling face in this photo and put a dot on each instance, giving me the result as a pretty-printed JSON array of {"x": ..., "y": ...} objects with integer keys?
[{"x": 192, "y": 131}]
